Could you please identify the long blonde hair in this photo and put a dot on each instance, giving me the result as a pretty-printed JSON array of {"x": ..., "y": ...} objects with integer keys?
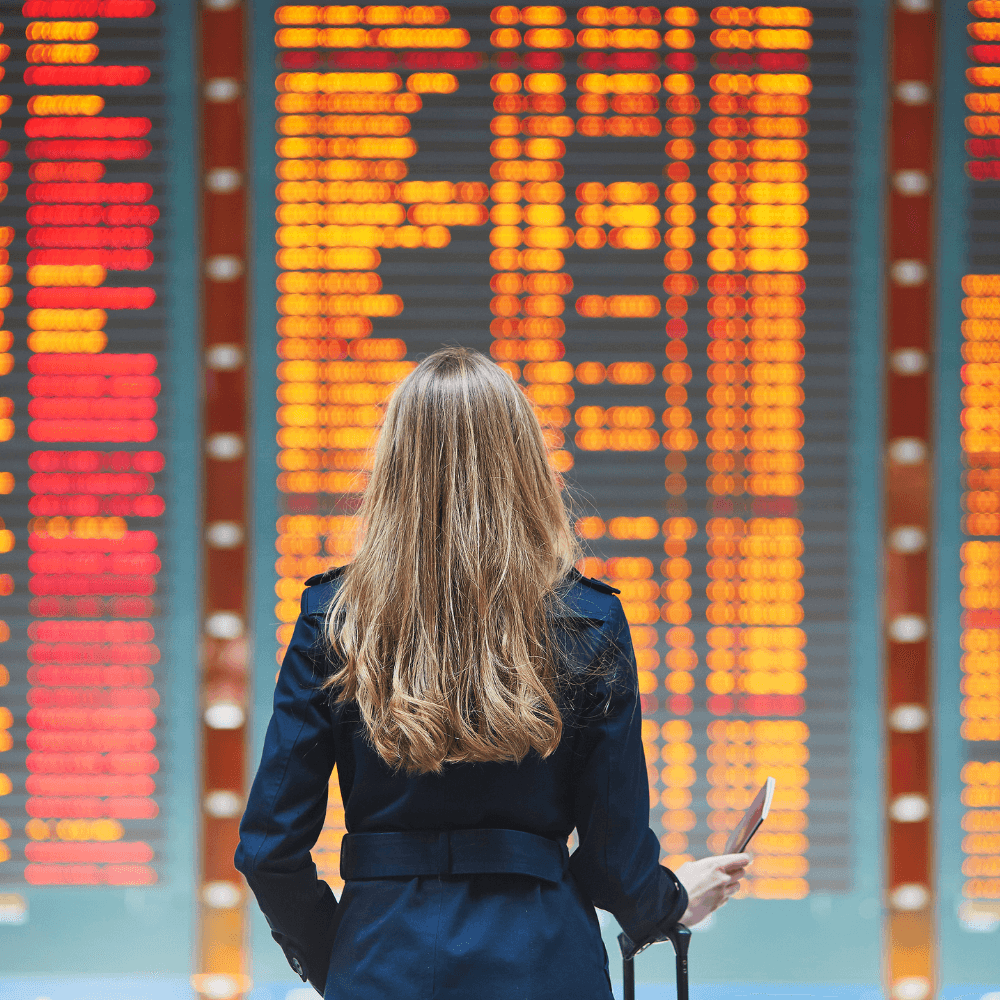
[{"x": 441, "y": 622}]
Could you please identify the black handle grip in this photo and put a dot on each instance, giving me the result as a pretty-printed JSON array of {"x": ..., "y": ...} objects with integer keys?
[{"x": 680, "y": 938}]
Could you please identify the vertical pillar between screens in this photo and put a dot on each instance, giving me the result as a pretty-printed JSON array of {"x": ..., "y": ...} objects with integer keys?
[
  {"x": 220, "y": 972},
  {"x": 911, "y": 959}
]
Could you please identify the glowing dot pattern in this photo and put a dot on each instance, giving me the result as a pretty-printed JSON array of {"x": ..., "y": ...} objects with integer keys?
[
  {"x": 757, "y": 658},
  {"x": 980, "y": 595},
  {"x": 528, "y": 221},
  {"x": 678, "y": 754},
  {"x": 93, "y": 535},
  {"x": 983, "y": 102},
  {"x": 626, "y": 215}
]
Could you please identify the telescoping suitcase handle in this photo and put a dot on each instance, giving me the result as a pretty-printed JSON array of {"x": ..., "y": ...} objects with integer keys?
[{"x": 680, "y": 938}]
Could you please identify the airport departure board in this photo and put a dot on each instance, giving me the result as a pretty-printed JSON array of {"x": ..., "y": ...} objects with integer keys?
[
  {"x": 81, "y": 218},
  {"x": 975, "y": 334},
  {"x": 93, "y": 760},
  {"x": 667, "y": 223},
  {"x": 643, "y": 214}
]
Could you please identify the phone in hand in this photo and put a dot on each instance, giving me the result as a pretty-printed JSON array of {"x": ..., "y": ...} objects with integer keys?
[{"x": 752, "y": 819}]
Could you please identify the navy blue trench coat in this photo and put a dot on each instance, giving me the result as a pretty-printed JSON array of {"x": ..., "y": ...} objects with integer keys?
[{"x": 501, "y": 911}]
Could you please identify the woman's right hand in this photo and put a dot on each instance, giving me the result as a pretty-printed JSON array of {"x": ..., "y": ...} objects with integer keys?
[{"x": 709, "y": 883}]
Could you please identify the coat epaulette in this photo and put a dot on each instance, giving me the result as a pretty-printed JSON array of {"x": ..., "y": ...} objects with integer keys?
[
  {"x": 330, "y": 574},
  {"x": 604, "y": 588}
]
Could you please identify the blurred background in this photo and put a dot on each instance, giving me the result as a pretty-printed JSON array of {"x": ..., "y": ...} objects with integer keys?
[{"x": 744, "y": 262}]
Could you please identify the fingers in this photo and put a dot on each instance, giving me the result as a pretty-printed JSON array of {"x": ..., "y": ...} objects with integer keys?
[
  {"x": 731, "y": 885},
  {"x": 728, "y": 877},
  {"x": 720, "y": 877},
  {"x": 733, "y": 862},
  {"x": 731, "y": 874}
]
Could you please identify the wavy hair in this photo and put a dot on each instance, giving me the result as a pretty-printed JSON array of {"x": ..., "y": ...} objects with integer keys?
[{"x": 441, "y": 624}]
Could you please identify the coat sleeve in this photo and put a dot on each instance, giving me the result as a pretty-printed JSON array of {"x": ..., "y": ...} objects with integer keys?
[
  {"x": 286, "y": 809},
  {"x": 617, "y": 860}
]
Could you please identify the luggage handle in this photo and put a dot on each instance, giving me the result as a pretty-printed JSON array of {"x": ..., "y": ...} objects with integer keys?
[{"x": 680, "y": 938}]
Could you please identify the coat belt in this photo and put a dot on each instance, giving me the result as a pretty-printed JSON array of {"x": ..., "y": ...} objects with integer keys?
[{"x": 452, "y": 852}]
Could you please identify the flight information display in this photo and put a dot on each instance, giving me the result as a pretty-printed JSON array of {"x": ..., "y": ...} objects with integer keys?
[
  {"x": 87, "y": 432},
  {"x": 979, "y": 641},
  {"x": 86, "y": 766},
  {"x": 642, "y": 213},
  {"x": 667, "y": 223}
]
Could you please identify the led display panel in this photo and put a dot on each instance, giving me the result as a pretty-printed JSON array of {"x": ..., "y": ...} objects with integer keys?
[
  {"x": 664, "y": 222},
  {"x": 90, "y": 751},
  {"x": 644, "y": 214},
  {"x": 970, "y": 332}
]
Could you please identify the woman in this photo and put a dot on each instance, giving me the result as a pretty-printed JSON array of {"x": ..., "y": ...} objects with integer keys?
[{"x": 480, "y": 700}]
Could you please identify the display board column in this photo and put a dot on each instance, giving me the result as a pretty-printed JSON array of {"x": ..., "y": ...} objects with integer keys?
[
  {"x": 220, "y": 963},
  {"x": 911, "y": 960}
]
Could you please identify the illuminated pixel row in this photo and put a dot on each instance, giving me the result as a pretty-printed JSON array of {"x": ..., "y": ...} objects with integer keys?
[{"x": 92, "y": 650}]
